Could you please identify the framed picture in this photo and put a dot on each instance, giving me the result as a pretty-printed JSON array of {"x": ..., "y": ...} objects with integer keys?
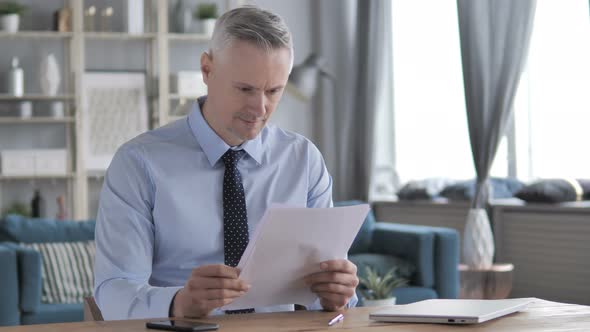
[{"x": 114, "y": 111}]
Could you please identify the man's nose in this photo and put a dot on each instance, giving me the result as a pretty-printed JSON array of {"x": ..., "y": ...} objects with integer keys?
[{"x": 258, "y": 104}]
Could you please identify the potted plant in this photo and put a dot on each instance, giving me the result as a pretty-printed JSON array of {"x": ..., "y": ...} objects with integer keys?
[
  {"x": 376, "y": 289},
  {"x": 10, "y": 15},
  {"x": 206, "y": 15}
]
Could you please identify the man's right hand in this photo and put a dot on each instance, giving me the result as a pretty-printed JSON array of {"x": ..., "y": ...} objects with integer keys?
[{"x": 209, "y": 287}]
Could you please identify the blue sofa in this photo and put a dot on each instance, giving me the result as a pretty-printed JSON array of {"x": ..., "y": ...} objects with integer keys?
[
  {"x": 20, "y": 276},
  {"x": 433, "y": 252}
]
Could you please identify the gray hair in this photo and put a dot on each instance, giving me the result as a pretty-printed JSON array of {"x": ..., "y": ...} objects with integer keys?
[{"x": 252, "y": 24}]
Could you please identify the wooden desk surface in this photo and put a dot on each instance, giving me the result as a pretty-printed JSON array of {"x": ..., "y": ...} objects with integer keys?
[{"x": 540, "y": 315}]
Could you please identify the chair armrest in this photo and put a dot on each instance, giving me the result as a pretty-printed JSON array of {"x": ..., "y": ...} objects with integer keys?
[
  {"x": 29, "y": 276},
  {"x": 9, "y": 309},
  {"x": 446, "y": 262},
  {"x": 412, "y": 243}
]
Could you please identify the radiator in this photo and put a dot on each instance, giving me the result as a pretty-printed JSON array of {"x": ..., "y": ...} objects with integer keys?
[{"x": 550, "y": 249}]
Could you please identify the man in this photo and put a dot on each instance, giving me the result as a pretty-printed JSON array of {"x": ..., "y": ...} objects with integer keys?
[{"x": 179, "y": 202}]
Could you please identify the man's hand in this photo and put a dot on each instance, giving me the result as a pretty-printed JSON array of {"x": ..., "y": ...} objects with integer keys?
[
  {"x": 209, "y": 287},
  {"x": 335, "y": 285}
]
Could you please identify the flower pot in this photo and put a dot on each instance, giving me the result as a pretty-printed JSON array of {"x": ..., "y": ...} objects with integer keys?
[
  {"x": 207, "y": 26},
  {"x": 9, "y": 23},
  {"x": 379, "y": 303}
]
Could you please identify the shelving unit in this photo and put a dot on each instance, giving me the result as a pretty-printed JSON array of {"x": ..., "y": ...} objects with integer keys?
[{"x": 74, "y": 65}]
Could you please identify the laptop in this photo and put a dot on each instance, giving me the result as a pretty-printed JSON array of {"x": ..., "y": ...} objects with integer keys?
[{"x": 450, "y": 311}]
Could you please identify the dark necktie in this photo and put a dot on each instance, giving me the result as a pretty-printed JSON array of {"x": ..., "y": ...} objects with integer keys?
[{"x": 235, "y": 219}]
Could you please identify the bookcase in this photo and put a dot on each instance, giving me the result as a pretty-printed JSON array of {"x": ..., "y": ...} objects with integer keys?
[{"x": 160, "y": 48}]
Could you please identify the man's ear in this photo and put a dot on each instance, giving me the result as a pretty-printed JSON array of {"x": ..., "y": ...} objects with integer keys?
[{"x": 206, "y": 66}]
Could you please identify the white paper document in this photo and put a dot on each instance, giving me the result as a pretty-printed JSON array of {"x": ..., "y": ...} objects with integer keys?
[{"x": 288, "y": 245}]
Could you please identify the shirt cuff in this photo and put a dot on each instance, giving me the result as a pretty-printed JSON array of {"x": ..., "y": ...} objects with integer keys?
[{"x": 161, "y": 301}]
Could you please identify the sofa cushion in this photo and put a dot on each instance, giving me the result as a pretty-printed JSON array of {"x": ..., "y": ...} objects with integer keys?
[
  {"x": 555, "y": 191},
  {"x": 17, "y": 228},
  {"x": 9, "y": 313},
  {"x": 67, "y": 270},
  {"x": 363, "y": 237},
  {"x": 465, "y": 190},
  {"x": 426, "y": 189}
]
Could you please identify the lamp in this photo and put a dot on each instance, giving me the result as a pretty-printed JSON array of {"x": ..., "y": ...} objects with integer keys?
[{"x": 303, "y": 80}]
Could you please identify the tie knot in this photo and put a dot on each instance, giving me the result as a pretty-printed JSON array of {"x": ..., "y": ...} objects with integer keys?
[{"x": 231, "y": 157}]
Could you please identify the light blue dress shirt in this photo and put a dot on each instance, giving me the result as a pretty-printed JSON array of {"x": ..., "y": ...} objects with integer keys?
[{"x": 161, "y": 212}]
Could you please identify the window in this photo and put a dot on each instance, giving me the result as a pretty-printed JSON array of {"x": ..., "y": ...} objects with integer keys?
[
  {"x": 552, "y": 106},
  {"x": 551, "y": 110},
  {"x": 431, "y": 132}
]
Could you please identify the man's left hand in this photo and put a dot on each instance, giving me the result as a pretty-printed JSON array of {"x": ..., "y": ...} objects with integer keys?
[{"x": 335, "y": 284}]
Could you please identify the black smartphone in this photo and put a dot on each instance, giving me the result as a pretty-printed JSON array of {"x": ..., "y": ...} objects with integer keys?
[{"x": 181, "y": 325}]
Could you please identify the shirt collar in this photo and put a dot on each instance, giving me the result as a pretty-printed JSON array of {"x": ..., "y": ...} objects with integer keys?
[{"x": 213, "y": 146}]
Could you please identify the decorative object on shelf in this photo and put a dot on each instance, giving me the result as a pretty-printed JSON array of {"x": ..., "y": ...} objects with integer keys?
[
  {"x": 90, "y": 19},
  {"x": 114, "y": 108},
  {"x": 134, "y": 17},
  {"x": 25, "y": 109},
  {"x": 61, "y": 208},
  {"x": 10, "y": 16},
  {"x": 56, "y": 110},
  {"x": 377, "y": 290},
  {"x": 37, "y": 205},
  {"x": 189, "y": 83},
  {"x": 206, "y": 15},
  {"x": 62, "y": 20},
  {"x": 17, "y": 208},
  {"x": 15, "y": 79},
  {"x": 182, "y": 17},
  {"x": 41, "y": 162},
  {"x": 50, "y": 76},
  {"x": 106, "y": 19}
]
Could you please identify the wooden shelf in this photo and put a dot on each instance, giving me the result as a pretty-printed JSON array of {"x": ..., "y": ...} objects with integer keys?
[
  {"x": 36, "y": 177},
  {"x": 118, "y": 36},
  {"x": 188, "y": 37},
  {"x": 39, "y": 119},
  {"x": 33, "y": 97},
  {"x": 36, "y": 35},
  {"x": 179, "y": 97}
]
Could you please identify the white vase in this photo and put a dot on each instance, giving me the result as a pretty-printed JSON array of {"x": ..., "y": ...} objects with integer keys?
[
  {"x": 9, "y": 23},
  {"x": 478, "y": 240},
  {"x": 50, "y": 76},
  {"x": 379, "y": 303}
]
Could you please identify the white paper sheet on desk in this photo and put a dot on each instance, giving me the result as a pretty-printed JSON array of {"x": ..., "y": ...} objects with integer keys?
[{"x": 288, "y": 245}]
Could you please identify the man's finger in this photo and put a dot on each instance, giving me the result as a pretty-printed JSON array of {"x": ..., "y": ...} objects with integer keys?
[
  {"x": 332, "y": 277},
  {"x": 333, "y": 288},
  {"x": 216, "y": 270},
  {"x": 221, "y": 294},
  {"x": 218, "y": 283},
  {"x": 332, "y": 300},
  {"x": 338, "y": 265}
]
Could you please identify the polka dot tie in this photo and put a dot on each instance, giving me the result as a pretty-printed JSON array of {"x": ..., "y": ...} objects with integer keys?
[{"x": 235, "y": 219}]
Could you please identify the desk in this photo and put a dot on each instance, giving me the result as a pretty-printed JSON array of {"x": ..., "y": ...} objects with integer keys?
[{"x": 539, "y": 316}]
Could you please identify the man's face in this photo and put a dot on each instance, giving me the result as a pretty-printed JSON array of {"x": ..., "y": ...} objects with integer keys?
[{"x": 245, "y": 84}]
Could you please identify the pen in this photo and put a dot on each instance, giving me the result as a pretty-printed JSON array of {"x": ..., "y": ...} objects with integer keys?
[{"x": 336, "y": 319}]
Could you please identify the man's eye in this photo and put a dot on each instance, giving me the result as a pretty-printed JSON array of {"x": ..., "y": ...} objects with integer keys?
[
  {"x": 246, "y": 89},
  {"x": 274, "y": 91}
]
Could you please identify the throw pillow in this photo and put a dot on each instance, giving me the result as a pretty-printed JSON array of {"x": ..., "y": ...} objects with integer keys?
[
  {"x": 555, "y": 191},
  {"x": 426, "y": 189},
  {"x": 67, "y": 274},
  {"x": 465, "y": 190}
]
